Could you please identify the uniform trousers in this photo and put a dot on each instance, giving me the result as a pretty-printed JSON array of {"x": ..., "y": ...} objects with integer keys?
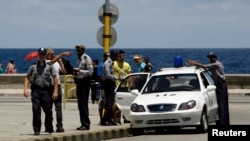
[
  {"x": 82, "y": 92},
  {"x": 223, "y": 106},
  {"x": 58, "y": 107},
  {"x": 109, "y": 90},
  {"x": 42, "y": 98}
]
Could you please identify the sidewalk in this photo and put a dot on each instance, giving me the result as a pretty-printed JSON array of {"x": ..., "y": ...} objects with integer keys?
[{"x": 16, "y": 122}]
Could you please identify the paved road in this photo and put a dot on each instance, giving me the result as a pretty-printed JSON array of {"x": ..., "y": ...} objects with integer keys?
[
  {"x": 16, "y": 122},
  {"x": 239, "y": 115}
]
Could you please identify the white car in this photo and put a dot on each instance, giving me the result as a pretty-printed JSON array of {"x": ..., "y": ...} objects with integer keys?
[{"x": 172, "y": 97}]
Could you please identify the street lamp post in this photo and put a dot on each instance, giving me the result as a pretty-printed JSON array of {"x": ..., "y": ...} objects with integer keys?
[{"x": 107, "y": 35}]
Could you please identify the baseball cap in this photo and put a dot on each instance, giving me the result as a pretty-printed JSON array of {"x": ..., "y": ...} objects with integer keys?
[
  {"x": 113, "y": 52},
  {"x": 212, "y": 54},
  {"x": 80, "y": 46},
  {"x": 42, "y": 51}
]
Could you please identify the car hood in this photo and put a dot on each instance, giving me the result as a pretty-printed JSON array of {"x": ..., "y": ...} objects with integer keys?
[{"x": 167, "y": 97}]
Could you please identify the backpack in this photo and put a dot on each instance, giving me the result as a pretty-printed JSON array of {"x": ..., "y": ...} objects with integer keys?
[{"x": 68, "y": 67}]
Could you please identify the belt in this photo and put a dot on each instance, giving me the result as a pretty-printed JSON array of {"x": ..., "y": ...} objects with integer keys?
[{"x": 40, "y": 87}]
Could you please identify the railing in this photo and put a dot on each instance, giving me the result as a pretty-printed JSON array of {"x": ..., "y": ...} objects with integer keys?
[
  {"x": 15, "y": 81},
  {"x": 69, "y": 89}
]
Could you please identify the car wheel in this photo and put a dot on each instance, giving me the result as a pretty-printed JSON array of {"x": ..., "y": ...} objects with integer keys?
[
  {"x": 203, "y": 127},
  {"x": 137, "y": 131}
]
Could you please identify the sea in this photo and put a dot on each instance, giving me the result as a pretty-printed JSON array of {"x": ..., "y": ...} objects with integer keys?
[{"x": 235, "y": 60}]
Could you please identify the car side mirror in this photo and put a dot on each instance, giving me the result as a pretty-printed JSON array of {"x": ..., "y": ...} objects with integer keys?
[
  {"x": 135, "y": 92},
  {"x": 211, "y": 88}
]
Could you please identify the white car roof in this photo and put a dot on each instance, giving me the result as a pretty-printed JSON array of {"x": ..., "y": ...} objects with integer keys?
[{"x": 179, "y": 70}]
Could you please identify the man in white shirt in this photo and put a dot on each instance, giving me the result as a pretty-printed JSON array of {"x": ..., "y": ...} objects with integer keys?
[{"x": 56, "y": 61}]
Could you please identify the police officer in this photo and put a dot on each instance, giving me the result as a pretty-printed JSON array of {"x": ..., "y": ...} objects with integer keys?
[
  {"x": 109, "y": 87},
  {"x": 41, "y": 91},
  {"x": 83, "y": 74},
  {"x": 217, "y": 70}
]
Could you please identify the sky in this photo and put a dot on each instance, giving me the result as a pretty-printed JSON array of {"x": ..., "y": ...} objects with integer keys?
[{"x": 140, "y": 23}]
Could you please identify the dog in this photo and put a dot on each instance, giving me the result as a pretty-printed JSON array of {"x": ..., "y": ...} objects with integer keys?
[
  {"x": 116, "y": 118},
  {"x": 116, "y": 114}
]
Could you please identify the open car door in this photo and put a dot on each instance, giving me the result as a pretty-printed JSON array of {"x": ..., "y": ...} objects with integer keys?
[{"x": 124, "y": 98}]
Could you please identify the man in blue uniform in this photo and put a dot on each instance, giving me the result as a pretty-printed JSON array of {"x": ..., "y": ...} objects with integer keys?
[
  {"x": 41, "y": 91},
  {"x": 109, "y": 87},
  {"x": 83, "y": 80},
  {"x": 217, "y": 70}
]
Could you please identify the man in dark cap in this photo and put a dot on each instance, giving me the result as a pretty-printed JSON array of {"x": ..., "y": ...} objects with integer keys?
[
  {"x": 83, "y": 74},
  {"x": 217, "y": 70},
  {"x": 41, "y": 91},
  {"x": 109, "y": 87}
]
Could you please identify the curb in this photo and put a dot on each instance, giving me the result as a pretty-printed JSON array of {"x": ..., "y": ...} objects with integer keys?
[{"x": 96, "y": 135}]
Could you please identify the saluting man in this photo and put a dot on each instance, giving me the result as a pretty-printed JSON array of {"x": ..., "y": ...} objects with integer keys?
[{"x": 57, "y": 63}]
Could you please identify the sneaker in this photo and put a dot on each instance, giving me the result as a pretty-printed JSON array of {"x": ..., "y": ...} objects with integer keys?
[
  {"x": 37, "y": 133},
  {"x": 59, "y": 129}
]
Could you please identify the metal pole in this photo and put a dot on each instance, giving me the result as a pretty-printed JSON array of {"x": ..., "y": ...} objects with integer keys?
[{"x": 106, "y": 35}]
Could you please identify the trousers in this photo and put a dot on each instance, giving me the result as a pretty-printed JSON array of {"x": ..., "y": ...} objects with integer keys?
[
  {"x": 58, "y": 108},
  {"x": 109, "y": 90},
  {"x": 82, "y": 92},
  {"x": 223, "y": 106},
  {"x": 42, "y": 98}
]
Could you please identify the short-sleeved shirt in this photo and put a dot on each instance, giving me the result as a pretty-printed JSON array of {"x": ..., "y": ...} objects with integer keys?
[
  {"x": 85, "y": 66},
  {"x": 108, "y": 70},
  {"x": 121, "y": 69},
  {"x": 41, "y": 74},
  {"x": 141, "y": 67},
  {"x": 57, "y": 67},
  {"x": 217, "y": 70}
]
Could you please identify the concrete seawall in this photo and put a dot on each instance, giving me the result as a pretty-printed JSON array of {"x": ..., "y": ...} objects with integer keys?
[{"x": 15, "y": 81}]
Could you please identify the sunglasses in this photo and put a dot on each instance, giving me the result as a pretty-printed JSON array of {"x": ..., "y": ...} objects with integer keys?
[{"x": 42, "y": 54}]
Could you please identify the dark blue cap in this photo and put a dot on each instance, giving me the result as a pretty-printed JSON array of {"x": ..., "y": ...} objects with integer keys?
[
  {"x": 212, "y": 54},
  {"x": 113, "y": 52},
  {"x": 42, "y": 51}
]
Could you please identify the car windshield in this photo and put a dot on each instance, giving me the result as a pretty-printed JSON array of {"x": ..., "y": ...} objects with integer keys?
[{"x": 174, "y": 82}]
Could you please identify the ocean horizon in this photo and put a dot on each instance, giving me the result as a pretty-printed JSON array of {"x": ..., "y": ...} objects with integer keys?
[{"x": 235, "y": 60}]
